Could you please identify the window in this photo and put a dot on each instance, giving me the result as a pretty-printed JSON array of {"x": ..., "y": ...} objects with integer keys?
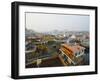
[{"x": 75, "y": 54}]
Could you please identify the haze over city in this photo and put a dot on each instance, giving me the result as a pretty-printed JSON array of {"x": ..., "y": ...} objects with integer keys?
[
  {"x": 53, "y": 40},
  {"x": 42, "y": 22}
]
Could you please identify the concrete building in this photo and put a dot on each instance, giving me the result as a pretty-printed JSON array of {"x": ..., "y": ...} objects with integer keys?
[{"x": 72, "y": 55}]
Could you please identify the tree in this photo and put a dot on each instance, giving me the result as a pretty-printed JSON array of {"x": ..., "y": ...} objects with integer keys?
[{"x": 42, "y": 49}]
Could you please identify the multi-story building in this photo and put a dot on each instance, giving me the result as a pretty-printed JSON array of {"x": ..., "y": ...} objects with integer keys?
[{"x": 71, "y": 54}]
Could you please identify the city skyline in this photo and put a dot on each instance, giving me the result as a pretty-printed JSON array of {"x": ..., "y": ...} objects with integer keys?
[{"x": 41, "y": 22}]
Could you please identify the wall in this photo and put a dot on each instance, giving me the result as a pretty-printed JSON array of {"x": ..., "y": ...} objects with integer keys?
[{"x": 5, "y": 40}]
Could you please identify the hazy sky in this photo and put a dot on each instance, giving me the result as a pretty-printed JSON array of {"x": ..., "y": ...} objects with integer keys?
[{"x": 41, "y": 22}]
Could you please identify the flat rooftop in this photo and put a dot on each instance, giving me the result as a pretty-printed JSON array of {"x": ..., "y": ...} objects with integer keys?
[{"x": 51, "y": 62}]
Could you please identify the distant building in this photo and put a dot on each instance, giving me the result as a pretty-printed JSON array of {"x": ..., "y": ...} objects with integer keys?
[
  {"x": 71, "y": 54},
  {"x": 71, "y": 39}
]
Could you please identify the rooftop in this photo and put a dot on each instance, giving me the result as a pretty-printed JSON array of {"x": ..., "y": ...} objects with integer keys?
[
  {"x": 51, "y": 62},
  {"x": 73, "y": 48}
]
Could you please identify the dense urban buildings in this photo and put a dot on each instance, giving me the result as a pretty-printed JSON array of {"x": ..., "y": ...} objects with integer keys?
[{"x": 56, "y": 48}]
